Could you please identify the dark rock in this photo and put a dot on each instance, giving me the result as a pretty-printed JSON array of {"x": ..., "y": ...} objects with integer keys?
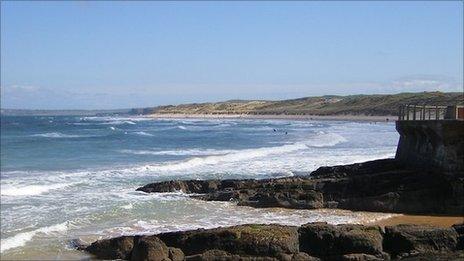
[
  {"x": 292, "y": 198},
  {"x": 360, "y": 257},
  {"x": 114, "y": 248},
  {"x": 149, "y": 248},
  {"x": 275, "y": 242},
  {"x": 220, "y": 255},
  {"x": 213, "y": 255},
  {"x": 380, "y": 185},
  {"x": 406, "y": 239},
  {"x": 302, "y": 256},
  {"x": 460, "y": 230},
  {"x": 77, "y": 244},
  {"x": 175, "y": 254},
  {"x": 436, "y": 256},
  {"x": 365, "y": 168},
  {"x": 246, "y": 240},
  {"x": 324, "y": 240}
]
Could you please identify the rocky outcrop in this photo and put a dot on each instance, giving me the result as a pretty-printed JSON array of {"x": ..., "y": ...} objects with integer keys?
[
  {"x": 328, "y": 241},
  {"x": 248, "y": 240},
  {"x": 313, "y": 241},
  {"x": 409, "y": 239},
  {"x": 114, "y": 248},
  {"x": 380, "y": 185}
]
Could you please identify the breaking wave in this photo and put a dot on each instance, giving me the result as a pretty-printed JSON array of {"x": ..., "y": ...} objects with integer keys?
[
  {"x": 21, "y": 239},
  {"x": 186, "y": 152},
  {"x": 142, "y": 133},
  {"x": 239, "y": 155},
  {"x": 59, "y": 135},
  {"x": 323, "y": 139},
  {"x": 31, "y": 190}
]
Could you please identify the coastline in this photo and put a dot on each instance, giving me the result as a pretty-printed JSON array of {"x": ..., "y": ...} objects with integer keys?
[{"x": 386, "y": 118}]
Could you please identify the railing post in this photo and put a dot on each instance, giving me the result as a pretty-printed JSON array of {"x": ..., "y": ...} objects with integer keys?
[
  {"x": 430, "y": 113},
  {"x": 423, "y": 112},
  {"x": 414, "y": 112},
  {"x": 407, "y": 112},
  {"x": 400, "y": 112},
  {"x": 436, "y": 112}
]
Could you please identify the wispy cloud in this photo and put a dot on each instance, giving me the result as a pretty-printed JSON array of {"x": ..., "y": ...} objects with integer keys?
[
  {"x": 38, "y": 97},
  {"x": 426, "y": 83},
  {"x": 25, "y": 88}
]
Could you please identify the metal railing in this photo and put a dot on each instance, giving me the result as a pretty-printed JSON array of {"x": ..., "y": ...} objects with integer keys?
[{"x": 426, "y": 112}]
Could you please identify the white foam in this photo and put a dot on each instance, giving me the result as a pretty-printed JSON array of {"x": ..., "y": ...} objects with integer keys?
[
  {"x": 227, "y": 156},
  {"x": 240, "y": 155},
  {"x": 142, "y": 133},
  {"x": 128, "y": 206},
  {"x": 182, "y": 127},
  {"x": 118, "y": 123},
  {"x": 21, "y": 239},
  {"x": 186, "y": 152},
  {"x": 113, "y": 118},
  {"x": 30, "y": 190},
  {"x": 58, "y": 135},
  {"x": 323, "y": 139},
  {"x": 229, "y": 214}
]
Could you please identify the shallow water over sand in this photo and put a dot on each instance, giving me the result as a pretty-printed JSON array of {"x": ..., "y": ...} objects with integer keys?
[{"x": 75, "y": 177}]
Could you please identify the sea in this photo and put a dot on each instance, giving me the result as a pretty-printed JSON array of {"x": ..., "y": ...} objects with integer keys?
[{"x": 71, "y": 177}]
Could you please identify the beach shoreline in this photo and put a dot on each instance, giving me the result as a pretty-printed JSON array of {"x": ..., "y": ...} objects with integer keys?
[
  {"x": 386, "y": 118},
  {"x": 436, "y": 221}
]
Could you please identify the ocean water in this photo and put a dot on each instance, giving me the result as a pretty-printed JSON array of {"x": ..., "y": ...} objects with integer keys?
[{"x": 72, "y": 177}]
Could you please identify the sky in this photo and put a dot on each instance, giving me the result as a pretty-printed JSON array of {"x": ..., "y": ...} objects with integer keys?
[{"x": 105, "y": 55}]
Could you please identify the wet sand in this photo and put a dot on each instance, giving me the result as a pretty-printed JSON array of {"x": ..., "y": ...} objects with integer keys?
[
  {"x": 439, "y": 221},
  {"x": 278, "y": 117}
]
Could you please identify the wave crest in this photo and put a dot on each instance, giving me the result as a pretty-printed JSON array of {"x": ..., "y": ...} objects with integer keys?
[
  {"x": 186, "y": 152},
  {"x": 142, "y": 133},
  {"x": 21, "y": 239},
  {"x": 230, "y": 157},
  {"x": 323, "y": 139},
  {"x": 31, "y": 190},
  {"x": 58, "y": 135}
]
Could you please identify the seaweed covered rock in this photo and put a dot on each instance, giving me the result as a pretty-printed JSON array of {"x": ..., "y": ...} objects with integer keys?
[
  {"x": 220, "y": 255},
  {"x": 460, "y": 230},
  {"x": 410, "y": 239},
  {"x": 330, "y": 241},
  {"x": 252, "y": 240},
  {"x": 149, "y": 248},
  {"x": 175, "y": 254},
  {"x": 113, "y": 248},
  {"x": 276, "y": 242},
  {"x": 212, "y": 255}
]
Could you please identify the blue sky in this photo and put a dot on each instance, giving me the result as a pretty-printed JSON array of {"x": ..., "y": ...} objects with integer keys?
[{"x": 93, "y": 55}]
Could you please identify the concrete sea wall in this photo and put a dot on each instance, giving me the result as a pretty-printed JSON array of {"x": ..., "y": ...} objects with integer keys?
[{"x": 436, "y": 144}]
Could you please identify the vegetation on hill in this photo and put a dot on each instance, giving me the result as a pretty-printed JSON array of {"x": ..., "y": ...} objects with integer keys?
[{"x": 324, "y": 105}]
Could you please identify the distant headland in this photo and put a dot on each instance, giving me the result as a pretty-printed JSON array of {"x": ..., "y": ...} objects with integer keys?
[{"x": 329, "y": 106}]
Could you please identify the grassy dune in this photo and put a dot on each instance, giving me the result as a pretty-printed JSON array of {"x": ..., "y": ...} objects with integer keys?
[{"x": 371, "y": 105}]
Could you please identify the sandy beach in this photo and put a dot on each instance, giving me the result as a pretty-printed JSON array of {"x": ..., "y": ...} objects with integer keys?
[
  {"x": 439, "y": 221},
  {"x": 278, "y": 117}
]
